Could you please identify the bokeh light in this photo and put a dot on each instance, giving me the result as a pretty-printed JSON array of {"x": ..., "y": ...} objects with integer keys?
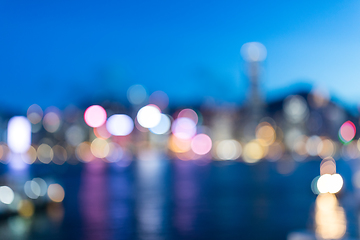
[
  {"x": 19, "y": 134},
  {"x": 45, "y": 153},
  {"x": 295, "y": 108},
  {"x": 201, "y": 144},
  {"x": 120, "y": 125},
  {"x": 56, "y": 192},
  {"x": 95, "y": 116},
  {"x": 184, "y": 128},
  {"x": 347, "y": 132},
  {"x": 265, "y": 132},
  {"x": 149, "y": 116},
  {"x": 253, "y": 52},
  {"x": 26, "y": 208},
  {"x": 34, "y": 114},
  {"x": 328, "y": 166},
  {"x": 328, "y": 183},
  {"x": 254, "y": 151},
  {"x": 100, "y": 148},
  {"x": 163, "y": 126},
  {"x": 189, "y": 113},
  {"x": 136, "y": 94},
  {"x": 160, "y": 99},
  {"x": 75, "y": 135},
  {"x": 6, "y": 195},
  {"x": 51, "y": 121},
  {"x": 228, "y": 149}
]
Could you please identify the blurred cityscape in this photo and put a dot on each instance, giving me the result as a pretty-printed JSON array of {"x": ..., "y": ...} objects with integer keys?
[{"x": 56, "y": 163}]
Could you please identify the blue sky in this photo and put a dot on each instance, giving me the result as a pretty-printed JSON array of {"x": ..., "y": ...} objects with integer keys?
[{"x": 61, "y": 52}]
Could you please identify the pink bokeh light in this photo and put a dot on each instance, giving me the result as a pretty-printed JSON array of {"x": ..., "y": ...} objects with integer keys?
[{"x": 95, "y": 116}]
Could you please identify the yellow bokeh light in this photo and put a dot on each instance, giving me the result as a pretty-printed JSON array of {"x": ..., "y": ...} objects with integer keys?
[
  {"x": 265, "y": 132},
  {"x": 254, "y": 151},
  {"x": 26, "y": 208},
  {"x": 100, "y": 148},
  {"x": 179, "y": 145}
]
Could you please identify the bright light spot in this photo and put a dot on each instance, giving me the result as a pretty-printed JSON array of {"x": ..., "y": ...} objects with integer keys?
[
  {"x": 330, "y": 183},
  {"x": 75, "y": 135},
  {"x": 56, "y": 193},
  {"x": 6, "y": 195},
  {"x": 201, "y": 144},
  {"x": 100, "y": 148},
  {"x": 19, "y": 134},
  {"x": 184, "y": 128},
  {"x": 34, "y": 114},
  {"x": 136, "y": 94},
  {"x": 95, "y": 116},
  {"x": 347, "y": 132},
  {"x": 51, "y": 122},
  {"x": 163, "y": 126},
  {"x": 45, "y": 153},
  {"x": 120, "y": 125},
  {"x": 253, "y": 52},
  {"x": 228, "y": 149},
  {"x": 149, "y": 116}
]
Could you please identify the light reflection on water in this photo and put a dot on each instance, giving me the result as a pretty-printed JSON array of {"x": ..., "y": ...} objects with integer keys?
[{"x": 176, "y": 199}]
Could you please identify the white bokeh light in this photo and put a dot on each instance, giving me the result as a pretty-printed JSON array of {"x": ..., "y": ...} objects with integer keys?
[
  {"x": 120, "y": 125},
  {"x": 6, "y": 195},
  {"x": 19, "y": 134},
  {"x": 253, "y": 52},
  {"x": 149, "y": 116}
]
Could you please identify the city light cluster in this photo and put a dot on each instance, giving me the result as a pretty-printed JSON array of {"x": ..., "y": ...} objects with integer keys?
[{"x": 54, "y": 136}]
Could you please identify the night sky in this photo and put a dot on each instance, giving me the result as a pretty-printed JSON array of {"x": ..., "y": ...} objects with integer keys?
[{"x": 62, "y": 52}]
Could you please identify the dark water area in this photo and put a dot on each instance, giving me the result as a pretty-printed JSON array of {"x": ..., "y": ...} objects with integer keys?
[{"x": 173, "y": 199}]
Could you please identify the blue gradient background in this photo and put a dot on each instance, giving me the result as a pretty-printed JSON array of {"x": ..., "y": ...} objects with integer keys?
[{"x": 62, "y": 52}]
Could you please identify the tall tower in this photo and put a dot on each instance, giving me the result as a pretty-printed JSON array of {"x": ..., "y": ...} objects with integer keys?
[{"x": 254, "y": 53}]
